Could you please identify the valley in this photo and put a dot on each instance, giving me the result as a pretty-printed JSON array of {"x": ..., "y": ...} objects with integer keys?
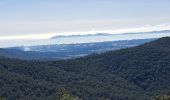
[{"x": 67, "y": 51}]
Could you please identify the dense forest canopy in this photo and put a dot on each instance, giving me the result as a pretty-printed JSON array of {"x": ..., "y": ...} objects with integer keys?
[{"x": 137, "y": 73}]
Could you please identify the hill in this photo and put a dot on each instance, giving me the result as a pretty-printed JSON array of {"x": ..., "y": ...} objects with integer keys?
[
  {"x": 107, "y": 34},
  {"x": 136, "y": 73},
  {"x": 86, "y": 35}
]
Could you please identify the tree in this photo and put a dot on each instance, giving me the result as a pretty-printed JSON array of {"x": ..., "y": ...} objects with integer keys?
[
  {"x": 2, "y": 98},
  {"x": 64, "y": 95}
]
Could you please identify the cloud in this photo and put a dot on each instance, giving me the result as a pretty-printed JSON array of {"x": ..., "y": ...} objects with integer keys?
[
  {"x": 146, "y": 28},
  {"x": 28, "y": 36},
  {"x": 27, "y": 27}
]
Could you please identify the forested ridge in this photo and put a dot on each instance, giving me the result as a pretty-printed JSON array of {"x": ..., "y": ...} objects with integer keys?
[{"x": 137, "y": 73}]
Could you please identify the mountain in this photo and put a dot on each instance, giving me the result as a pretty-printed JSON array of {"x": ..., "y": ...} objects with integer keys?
[
  {"x": 151, "y": 32},
  {"x": 65, "y": 51},
  {"x": 16, "y": 53},
  {"x": 86, "y": 35},
  {"x": 162, "y": 31},
  {"x": 136, "y": 73},
  {"x": 107, "y": 34},
  {"x": 12, "y": 53}
]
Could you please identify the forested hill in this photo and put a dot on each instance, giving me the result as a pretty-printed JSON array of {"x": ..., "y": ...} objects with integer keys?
[{"x": 136, "y": 73}]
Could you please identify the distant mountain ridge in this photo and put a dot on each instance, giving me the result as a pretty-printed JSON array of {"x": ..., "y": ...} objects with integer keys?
[
  {"x": 86, "y": 35},
  {"x": 105, "y": 34},
  {"x": 152, "y": 32}
]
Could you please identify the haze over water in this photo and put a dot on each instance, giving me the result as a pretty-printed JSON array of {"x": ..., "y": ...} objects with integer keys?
[{"x": 14, "y": 43}]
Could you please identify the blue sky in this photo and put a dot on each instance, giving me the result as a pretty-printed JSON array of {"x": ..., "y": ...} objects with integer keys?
[{"x": 20, "y": 18}]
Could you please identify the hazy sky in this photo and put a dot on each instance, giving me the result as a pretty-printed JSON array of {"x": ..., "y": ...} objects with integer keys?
[{"x": 27, "y": 18}]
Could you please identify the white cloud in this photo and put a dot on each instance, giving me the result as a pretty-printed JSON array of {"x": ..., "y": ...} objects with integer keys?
[{"x": 28, "y": 37}]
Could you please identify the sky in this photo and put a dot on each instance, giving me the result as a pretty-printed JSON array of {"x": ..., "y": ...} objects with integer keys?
[{"x": 41, "y": 19}]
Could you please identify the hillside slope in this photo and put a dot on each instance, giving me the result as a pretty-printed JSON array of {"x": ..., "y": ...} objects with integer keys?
[{"x": 135, "y": 73}]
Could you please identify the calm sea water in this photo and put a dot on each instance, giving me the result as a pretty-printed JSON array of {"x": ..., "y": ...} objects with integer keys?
[{"x": 13, "y": 43}]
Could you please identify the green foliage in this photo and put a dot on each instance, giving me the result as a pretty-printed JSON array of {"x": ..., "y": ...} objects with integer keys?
[
  {"x": 64, "y": 95},
  {"x": 2, "y": 98},
  {"x": 168, "y": 93},
  {"x": 128, "y": 74},
  {"x": 165, "y": 97}
]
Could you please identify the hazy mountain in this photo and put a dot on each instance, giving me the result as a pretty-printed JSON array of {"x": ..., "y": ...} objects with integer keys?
[
  {"x": 107, "y": 34},
  {"x": 162, "y": 31},
  {"x": 136, "y": 73},
  {"x": 86, "y": 35},
  {"x": 152, "y": 32}
]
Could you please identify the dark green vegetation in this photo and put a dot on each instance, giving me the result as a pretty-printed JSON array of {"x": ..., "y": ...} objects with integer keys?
[
  {"x": 164, "y": 97},
  {"x": 65, "y": 95},
  {"x": 2, "y": 98},
  {"x": 137, "y": 73}
]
